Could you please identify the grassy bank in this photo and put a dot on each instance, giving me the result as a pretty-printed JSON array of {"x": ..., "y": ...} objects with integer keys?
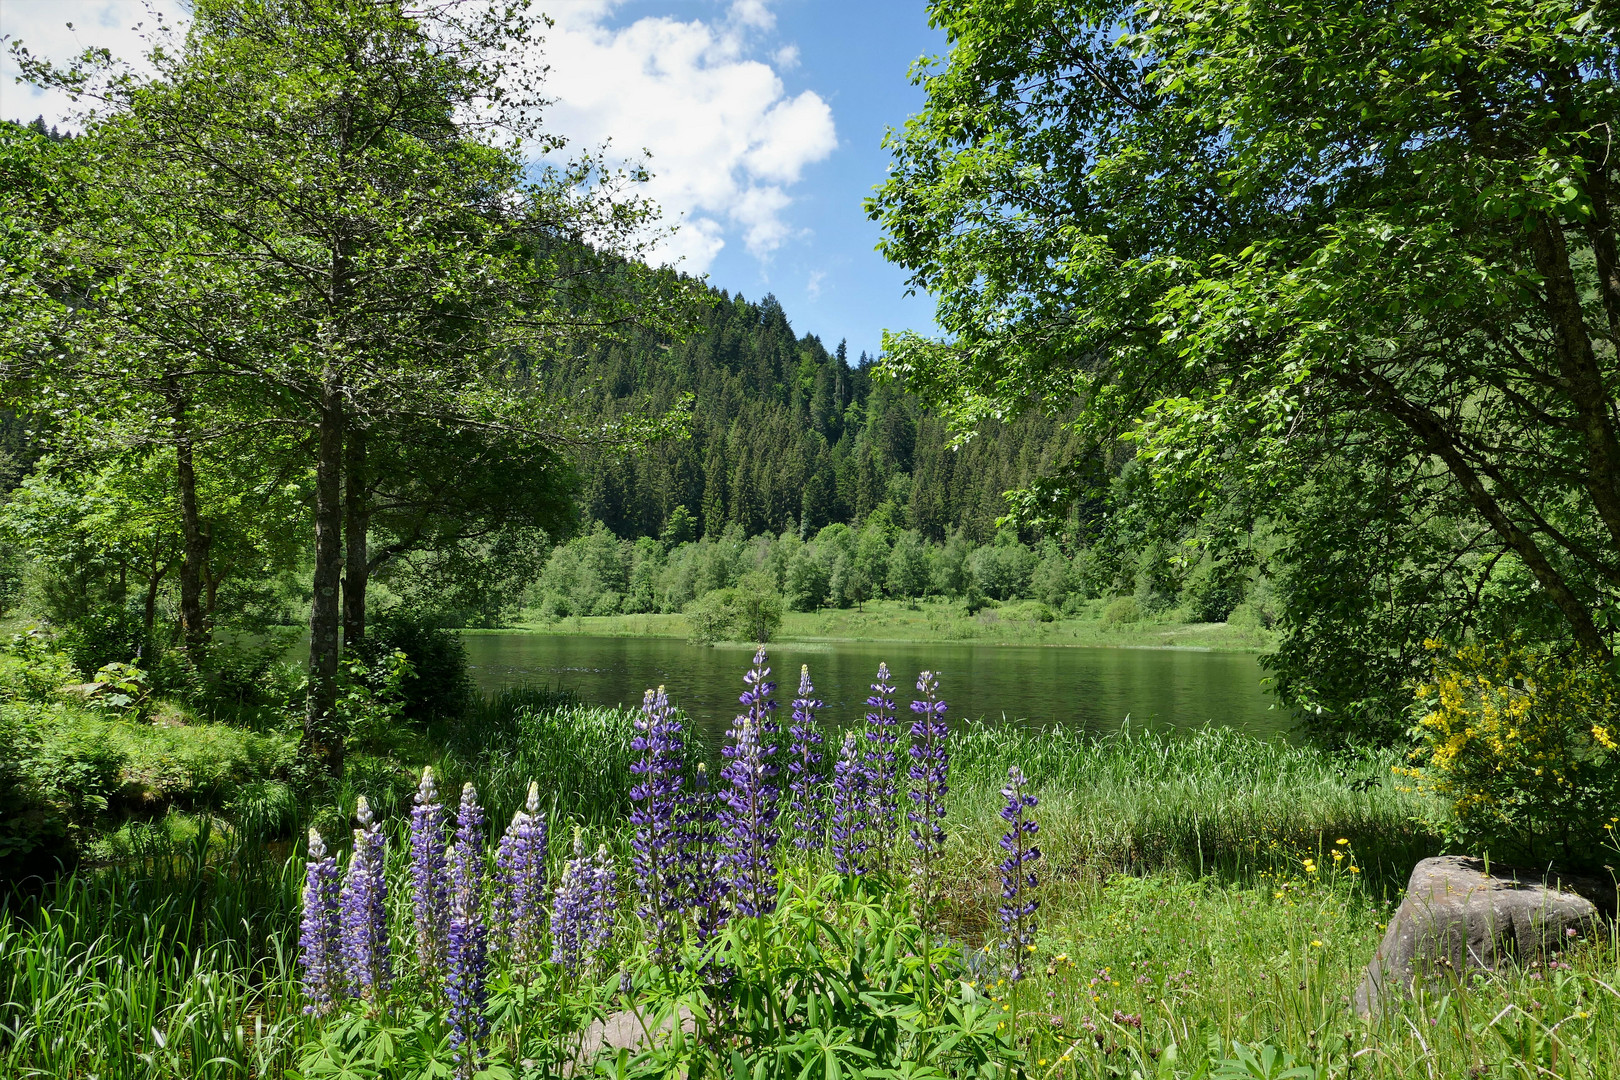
[
  {"x": 1200, "y": 897},
  {"x": 928, "y": 621}
]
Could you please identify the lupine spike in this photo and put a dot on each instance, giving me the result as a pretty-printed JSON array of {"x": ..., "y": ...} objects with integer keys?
[
  {"x": 848, "y": 825},
  {"x": 748, "y": 827},
  {"x": 365, "y": 910},
  {"x": 1018, "y": 880},
  {"x": 807, "y": 789},
  {"x": 584, "y": 896},
  {"x": 427, "y": 876},
  {"x": 521, "y": 861},
  {"x": 319, "y": 930},
  {"x": 702, "y": 887},
  {"x": 930, "y": 766},
  {"x": 466, "y": 956},
  {"x": 882, "y": 768},
  {"x": 657, "y": 816},
  {"x": 604, "y": 903}
]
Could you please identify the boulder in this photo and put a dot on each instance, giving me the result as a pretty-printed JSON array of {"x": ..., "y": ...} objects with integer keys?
[
  {"x": 630, "y": 1030},
  {"x": 1457, "y": 919}
]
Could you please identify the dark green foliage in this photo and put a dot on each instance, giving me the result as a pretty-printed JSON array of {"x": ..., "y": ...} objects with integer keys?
[
  {"x": 437, "y": 685},
  {"x": 241, "y": 680},
  {"x": 108, "y": 635},
  {"x": 749, "y": 612},
  {"x": 785, "y": 431},
  {"x": 1231, "y": 234},
  {"x": 1212, "y": 589},
  {"x": 66, "y": 772}
]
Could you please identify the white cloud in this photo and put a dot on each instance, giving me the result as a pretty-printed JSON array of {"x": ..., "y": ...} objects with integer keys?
[
  {"x": 812, "y": 287},
  {"x": 754, "y": 14},
  {"x": 122, "y": 26},
  {"x": 702, "y": 97},
  {"x": 726, "y": 142}
]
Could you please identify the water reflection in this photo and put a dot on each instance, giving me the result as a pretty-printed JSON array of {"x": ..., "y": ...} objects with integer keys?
[{"x": 1089, "y": 687}]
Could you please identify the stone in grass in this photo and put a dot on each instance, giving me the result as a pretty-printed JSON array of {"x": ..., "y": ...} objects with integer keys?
[
  {"x": 630, "y": 1030},
  {"x": 1456, "y": 919}
]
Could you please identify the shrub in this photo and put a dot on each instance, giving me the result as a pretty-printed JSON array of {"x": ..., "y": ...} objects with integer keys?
[
  {"x": 1213, "y": 590},
  {"x": 750, "y": 612},
  {"x": 243, "y": 680},
  {"x": 1121, "y": 610},
  {"x": 438, "y": 684},
  {"x": 63, "y": 768},
  {"x": 32, "y": 669},
  {"x": 108, "y": 636},
  {"x": 1524, "y": 750}
]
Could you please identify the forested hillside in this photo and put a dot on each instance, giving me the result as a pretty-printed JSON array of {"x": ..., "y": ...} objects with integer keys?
[{"x": 788, "y": 434}]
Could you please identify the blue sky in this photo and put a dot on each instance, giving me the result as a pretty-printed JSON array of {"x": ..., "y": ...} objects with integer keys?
[{"x": 763, "y": 118}]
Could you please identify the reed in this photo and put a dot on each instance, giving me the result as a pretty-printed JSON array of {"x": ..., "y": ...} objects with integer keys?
[{"x": 1206, "y": 903}]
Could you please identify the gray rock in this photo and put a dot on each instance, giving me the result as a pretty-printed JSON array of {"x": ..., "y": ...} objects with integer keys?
[
  {"x": 628, "y": 1030},
  {"x": 1456, "y": 919}
]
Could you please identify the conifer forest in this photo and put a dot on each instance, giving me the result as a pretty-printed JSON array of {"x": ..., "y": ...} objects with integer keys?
[{"x": 1177, "y": 644}]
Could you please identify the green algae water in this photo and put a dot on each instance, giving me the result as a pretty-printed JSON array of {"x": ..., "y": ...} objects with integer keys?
[{"x": 1036, "y": 686}]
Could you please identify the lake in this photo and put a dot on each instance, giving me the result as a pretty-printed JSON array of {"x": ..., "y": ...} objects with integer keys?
[{"x": 1090, "y": 687}]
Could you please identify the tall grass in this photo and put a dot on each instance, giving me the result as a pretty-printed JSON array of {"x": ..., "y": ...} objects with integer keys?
[
  {"x": 1178, "y": 908},
  {"x": 1201, "y": 803},
  {"x": 580, "y": 755},
  {"x": 175, "y": 963}
]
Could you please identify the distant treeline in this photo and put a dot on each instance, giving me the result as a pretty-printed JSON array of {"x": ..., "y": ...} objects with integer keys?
[
  {"x": 596, "y": 573},
  {"x": 785, "y": 433}
]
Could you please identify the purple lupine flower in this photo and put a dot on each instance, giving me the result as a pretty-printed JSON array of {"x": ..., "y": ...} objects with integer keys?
[
  {"x": 520, "y": 897},
  {"x": 571, "y": 909},
  {"x": 881, "y": 763},
  {"x": 759, "y": 708},
  {"x": 604, "y": 902},
  {"x": 319, "y": 931},
  {"x": 466, "y": 959},
  {"x": 1018, "y": 881},
  {"x": 930, "y": 765},
  {"x": 657, "y": 844},
  {"x": 848, "y": 825},
  {"x": 748, "y": 830},
  {"x": 427, "y": 875},
  {"x": 807, "y": 791},
  {"x": 702, "y": 887},
  {"x": 365, "y": 910}
]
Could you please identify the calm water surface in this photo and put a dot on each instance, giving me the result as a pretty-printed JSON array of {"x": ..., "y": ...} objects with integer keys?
[{"x": 1087, "y": 687}]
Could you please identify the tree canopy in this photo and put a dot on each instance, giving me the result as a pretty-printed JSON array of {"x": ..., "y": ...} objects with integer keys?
[
  {"x": 318, "y": 217},
  {"x": 1297, "y": 250}
]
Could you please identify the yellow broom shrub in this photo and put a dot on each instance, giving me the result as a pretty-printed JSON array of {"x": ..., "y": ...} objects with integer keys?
[{"x": 1523, "y": 748}]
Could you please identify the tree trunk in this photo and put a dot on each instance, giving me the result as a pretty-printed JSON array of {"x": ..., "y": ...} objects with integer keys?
[
  {"x": 1580, "y": 372},
  {"x": 322, "y": 738},
  {"x": 356, "y": 522},
  {"x": 195, "y": 553}
]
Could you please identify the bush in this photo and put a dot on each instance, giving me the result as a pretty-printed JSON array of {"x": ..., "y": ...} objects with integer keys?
[
  {"x": 438, "y": 685},
  {"x": 245, "y": 680},
  {"x": 32, "y": 669},
  {"x": 1213, "y": 590},
  {"x": 53, "y": 783},
  {"x": 109, "y": 636},
  {"x": 1121, "y": 610},
  {"x": 1524, "y": 750},
  {"x": 750, "y": 612}
]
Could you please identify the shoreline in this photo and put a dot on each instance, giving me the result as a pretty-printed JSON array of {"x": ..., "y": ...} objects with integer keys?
[{"x": 924, "y": 625}]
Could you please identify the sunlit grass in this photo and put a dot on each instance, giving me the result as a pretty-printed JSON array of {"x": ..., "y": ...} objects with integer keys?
[
  {"x": 1196, "y": 891},
  {"x": 1017, "y": 623}
]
